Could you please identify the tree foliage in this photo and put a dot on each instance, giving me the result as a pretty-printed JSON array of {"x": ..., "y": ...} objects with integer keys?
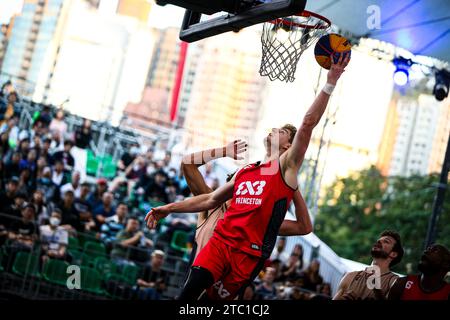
[{"x": 356, "y": 209}]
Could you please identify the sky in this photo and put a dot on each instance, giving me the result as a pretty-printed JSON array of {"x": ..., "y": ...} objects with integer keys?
[{"x": 8, "y": 8}]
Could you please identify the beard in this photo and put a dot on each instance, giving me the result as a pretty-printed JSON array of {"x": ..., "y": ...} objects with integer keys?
[{"x": 380, "y": 254}]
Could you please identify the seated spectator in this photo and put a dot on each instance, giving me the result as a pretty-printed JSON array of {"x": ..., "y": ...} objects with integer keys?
[
  {"x": 29, "y": 162},
  {"x": 45, "y": 116},
  {"x": 84, "y": 207},
  {"x": 267, "y": 290},
  {"x": 26, "y": 182},
  {"x": 95, "y": 199},
  {"x": 58, "y": 124},
  {"x": 128, "y": 239},
  {"x": 12, "y": 168},
  {"x": 7, "y": 197},
  {"x": 152, "y": 282},
  {"x": 59, "y": 177},
  {"x": 45, "y": 150},
  {"x": 105, "y": 210},
  {"x": 24, "y": 145},
  {"x": 311, "y": 276},
  {"x": 14, "y": 211},
  {"x": 38, "y": 200},
  {"x": 289, "y": 271},
  {"x": 83, "y": 135},
  {"x": 65, "y": 156},
  {"x": 47, "y": 186},
  {"x": 113, "y": 225},
  {"x": 128, "y": 157},
  {"x": 70, "y": 217},
  {"x": 73, "y": 185},
  {"x": 22, "y": 234},
  {"x": 156, "y": 190},
  {"x": 280, "y": 251},
  {"x": 54, "y": 238},
  {"x": 298, "y": 250},
  {"x": 136, "y": 169},
  {"x": 4, "y": 145},
  {"x": 40, "y": 165}
]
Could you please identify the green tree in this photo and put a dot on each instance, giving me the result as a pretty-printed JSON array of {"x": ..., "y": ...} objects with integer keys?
[{"x": 356, "y": 209}]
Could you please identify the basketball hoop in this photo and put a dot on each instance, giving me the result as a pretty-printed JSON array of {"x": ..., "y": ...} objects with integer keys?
[{"x": 285, "y": 39}]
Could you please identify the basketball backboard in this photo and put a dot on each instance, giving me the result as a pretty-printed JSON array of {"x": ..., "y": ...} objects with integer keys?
[{"x": 229, "y": 15}]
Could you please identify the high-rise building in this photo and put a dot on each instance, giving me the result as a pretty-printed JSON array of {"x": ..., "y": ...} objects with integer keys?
[
  {"x": 226, "y": 91},
  {"x": 102, "y": 63},
  {"x": 3, "y": 42},
  {"x": 139, "y": 9},
  {"x": 34, "y": 43},
  {"x": 440, "y": 138},
  {"x": 415, "y": 136}
]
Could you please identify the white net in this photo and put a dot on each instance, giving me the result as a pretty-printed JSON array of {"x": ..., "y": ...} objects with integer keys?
[{"x": 284, "y": 41}]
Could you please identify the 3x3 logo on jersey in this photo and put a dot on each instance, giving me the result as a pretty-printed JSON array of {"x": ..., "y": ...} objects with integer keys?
[{"x": 249, "y": 188}]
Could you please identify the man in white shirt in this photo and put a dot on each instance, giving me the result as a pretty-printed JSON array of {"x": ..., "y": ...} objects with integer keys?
[
  {"x": 54, "y": 238},
  {"x": 74, "y": 185}
]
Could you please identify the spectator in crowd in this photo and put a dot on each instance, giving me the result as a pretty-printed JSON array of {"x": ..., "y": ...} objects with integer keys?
[
  {"x": 70, "y": 217},
  {"x": 113, "y": 225},
  {"x": 8, "y": 111},
  {"x": 54, "y": 238},
  {"x": 83, "y": 135},
  {"x": 65, "y": 156},
  {"x": 128, "y": 157},
  {"x": 7, "y": 197},
  {"x": 156, "y": 190},
  {"x": 41, "y": 163},
  {"x": 46, "y": 184},
  {"x": 267, "y": 290},
  {"x": 4, "y": 144},
  {"x": 280, "y": 251},
  {"x": 105, "y": 210},
  {"x": 311, "y": 276},
  {"x": 83, "y": 206},
  {"x": 58, "y": 125},
  {"x": 298, "y": 251},
  {"x": 430, "y": 284},
  {"x": 12, "y": 167},
  {"x": 26, "y": 181},
  {"x": 45, "y": 150},
  {"x": 127, "y": 240},
  {"x": 58, "y": 177},
  {"x": 29, "y": 162},
  {"x": 23, "y": 234},
  {"x": 45, "y": 116},
  {"x": 14, "y": 211},
  {"x": 136, "y": 169},
  {"x": 95, "y": 199},
  {"x": 38, "y": 200},
  {"x": 289, "y": 271},
  {"x": 386, "y": 253},
  {"x": 24, "y": 145},
  {"x": 73, "y": 185},
  {"x": 152, "y": 282},
  {"x": 249, "y": 292}
]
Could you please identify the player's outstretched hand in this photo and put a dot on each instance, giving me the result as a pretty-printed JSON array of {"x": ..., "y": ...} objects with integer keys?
[
  {"x": 155, "y": 215},
  {"x": 338, "y": 68},
  {"x": 233, "y": 149}
]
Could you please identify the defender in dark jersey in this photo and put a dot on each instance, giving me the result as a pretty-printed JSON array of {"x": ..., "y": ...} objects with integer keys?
[
  {"x": 261, "y": 194},
  {"x": 430, "y": 284}
]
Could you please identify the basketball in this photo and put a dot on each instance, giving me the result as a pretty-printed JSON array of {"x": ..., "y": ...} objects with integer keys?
[{"x": 331, "y": 44}]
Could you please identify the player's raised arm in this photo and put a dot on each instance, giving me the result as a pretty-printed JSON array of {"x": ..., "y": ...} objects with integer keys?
[
  {"x": 294, "y": 156},
  {"x": 198, "y": 203},
  {"x": 191, "y": 163}
]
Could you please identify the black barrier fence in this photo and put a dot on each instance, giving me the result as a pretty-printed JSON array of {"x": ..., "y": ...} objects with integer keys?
[{"x": 88, "y": 270}]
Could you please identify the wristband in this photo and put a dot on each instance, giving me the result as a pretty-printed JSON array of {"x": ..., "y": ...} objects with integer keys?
[{"x": 328, "y": 89}]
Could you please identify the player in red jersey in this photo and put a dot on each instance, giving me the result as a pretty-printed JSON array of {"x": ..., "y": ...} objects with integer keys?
[
  {"x": 261, "y": 194},
  {"x": 430, "y": 284}
]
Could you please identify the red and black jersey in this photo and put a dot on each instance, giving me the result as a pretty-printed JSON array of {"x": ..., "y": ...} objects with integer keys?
[
  {"x": 261, "y": 198},
  {"x": 413, "y": 291}
]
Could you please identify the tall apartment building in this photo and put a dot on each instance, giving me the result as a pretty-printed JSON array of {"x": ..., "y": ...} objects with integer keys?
[
  {"x": 139, "y": 9},
  {"x": 415, "y": 136},
  {"x": 34, "y": 43}
]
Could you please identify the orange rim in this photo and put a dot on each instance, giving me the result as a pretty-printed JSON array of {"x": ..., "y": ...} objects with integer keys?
[{"x": 305, "y": 14}]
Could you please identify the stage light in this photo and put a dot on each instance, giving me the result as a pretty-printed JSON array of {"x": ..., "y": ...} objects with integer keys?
[
  {"x": 401, "y": 73},
  {"x": 441, "y": 87}
]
